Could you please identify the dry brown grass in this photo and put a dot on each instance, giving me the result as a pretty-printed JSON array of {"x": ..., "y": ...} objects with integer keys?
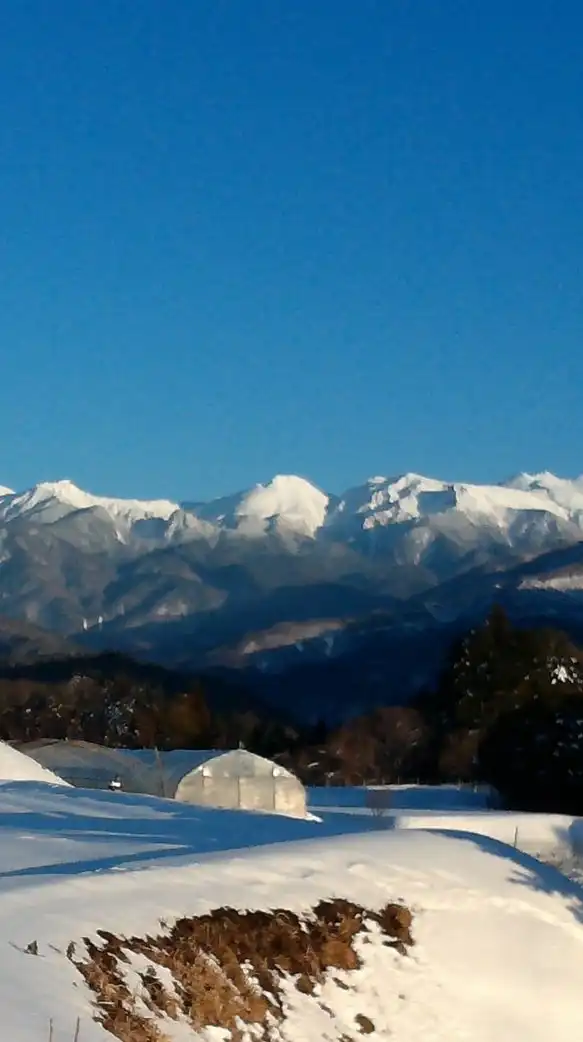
[
  {"x": 227, "y": 966},
  {"x": 115, "y": 1003}
]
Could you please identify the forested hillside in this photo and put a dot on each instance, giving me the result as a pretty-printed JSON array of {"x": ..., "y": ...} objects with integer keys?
[{"x": 507, "y": 710}]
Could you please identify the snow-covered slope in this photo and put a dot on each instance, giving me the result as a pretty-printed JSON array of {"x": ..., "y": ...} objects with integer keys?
[
  {"x": 51, "y": 500},
  {"x": 499, "y": 936},
  {"x": 412, "y": 497},
  {"x": 568, "y": 495},
  {"x": 70, "y": 559},
  {"x": 287, "y": 503},
  {"x": 558, "y": 583},
  {"x": 16, "y": 766}
]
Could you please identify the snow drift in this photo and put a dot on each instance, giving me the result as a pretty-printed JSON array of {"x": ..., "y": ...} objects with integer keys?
[{"x": 498, "y": 936}]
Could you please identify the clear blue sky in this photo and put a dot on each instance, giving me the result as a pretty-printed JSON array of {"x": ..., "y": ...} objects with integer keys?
[{"x": 335, "y": 238}]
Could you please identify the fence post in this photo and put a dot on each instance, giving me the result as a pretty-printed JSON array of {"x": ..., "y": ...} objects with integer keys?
[
  {"x": 160, "y": 770},
  {"x": 378, "y": 801}
]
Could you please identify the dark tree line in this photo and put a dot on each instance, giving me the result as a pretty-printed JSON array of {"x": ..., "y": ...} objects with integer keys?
[
  {"x": 114, "y": 701},
  {"x": 507, "y": 710}
]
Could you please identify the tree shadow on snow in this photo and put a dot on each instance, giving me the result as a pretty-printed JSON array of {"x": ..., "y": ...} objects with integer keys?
[
  {"x": 138, "y": 830},
  {"x": 529, "y": 871}
]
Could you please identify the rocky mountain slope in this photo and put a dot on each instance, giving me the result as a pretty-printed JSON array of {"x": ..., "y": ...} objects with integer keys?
[{"x": 284, "y": 573}]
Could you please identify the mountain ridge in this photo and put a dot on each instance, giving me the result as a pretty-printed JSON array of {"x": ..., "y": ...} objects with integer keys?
[
  {"x": 378, "y": 500},
  {"x": 285, "y": 572}
]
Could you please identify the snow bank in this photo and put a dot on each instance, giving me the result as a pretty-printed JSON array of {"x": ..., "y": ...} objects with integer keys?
[
  {"x": 533, "y": 833},
  {"x": 499, "y": 952},
  {"x": 17, "y": 766}
]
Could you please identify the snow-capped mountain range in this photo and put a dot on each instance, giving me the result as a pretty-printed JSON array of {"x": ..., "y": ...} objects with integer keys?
[
  {"x": 179, "y": 579},
  {"x": 289, "y": 503}
]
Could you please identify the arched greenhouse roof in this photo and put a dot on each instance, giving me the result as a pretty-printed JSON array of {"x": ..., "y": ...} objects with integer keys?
[
  {"x": 174, "y": 765},
  {"x": 91, "y": 766}
]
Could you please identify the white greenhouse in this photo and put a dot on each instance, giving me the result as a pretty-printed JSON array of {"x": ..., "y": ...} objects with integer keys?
[{"x": 232, "y": 779}]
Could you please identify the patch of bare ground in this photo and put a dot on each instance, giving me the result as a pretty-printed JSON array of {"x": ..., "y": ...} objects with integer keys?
[{"x": 226, "y": 969}]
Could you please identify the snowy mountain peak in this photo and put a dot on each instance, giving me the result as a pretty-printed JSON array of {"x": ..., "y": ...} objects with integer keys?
[
  {"x": 290, "y": 505},
  {"x": 565, "y": 493},
  {"x": 383, "y": 500},
  {"x": 411, "y": 480},
  {"x": 47, "y": 501},
  {"x": 415, "y": 498},
  {"x": 51, "y": 500},
  {"x": 64, "y": 490},
  {"x": 389, "y": 536},
  {"x": 286, "y": 503}
]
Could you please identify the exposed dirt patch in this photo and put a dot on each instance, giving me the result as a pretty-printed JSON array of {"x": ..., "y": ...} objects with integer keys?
[{"x": 227, "y": 969}]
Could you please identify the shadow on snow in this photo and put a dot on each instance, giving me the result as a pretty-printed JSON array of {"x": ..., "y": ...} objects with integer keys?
[{"x": 529, "y": 871}]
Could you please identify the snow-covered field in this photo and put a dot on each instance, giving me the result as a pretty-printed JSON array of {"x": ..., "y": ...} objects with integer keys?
[
  {"x": 405, "y": 797},
  {"x": 499, "y": 936},
  {"x": 450, "y": 808}
]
